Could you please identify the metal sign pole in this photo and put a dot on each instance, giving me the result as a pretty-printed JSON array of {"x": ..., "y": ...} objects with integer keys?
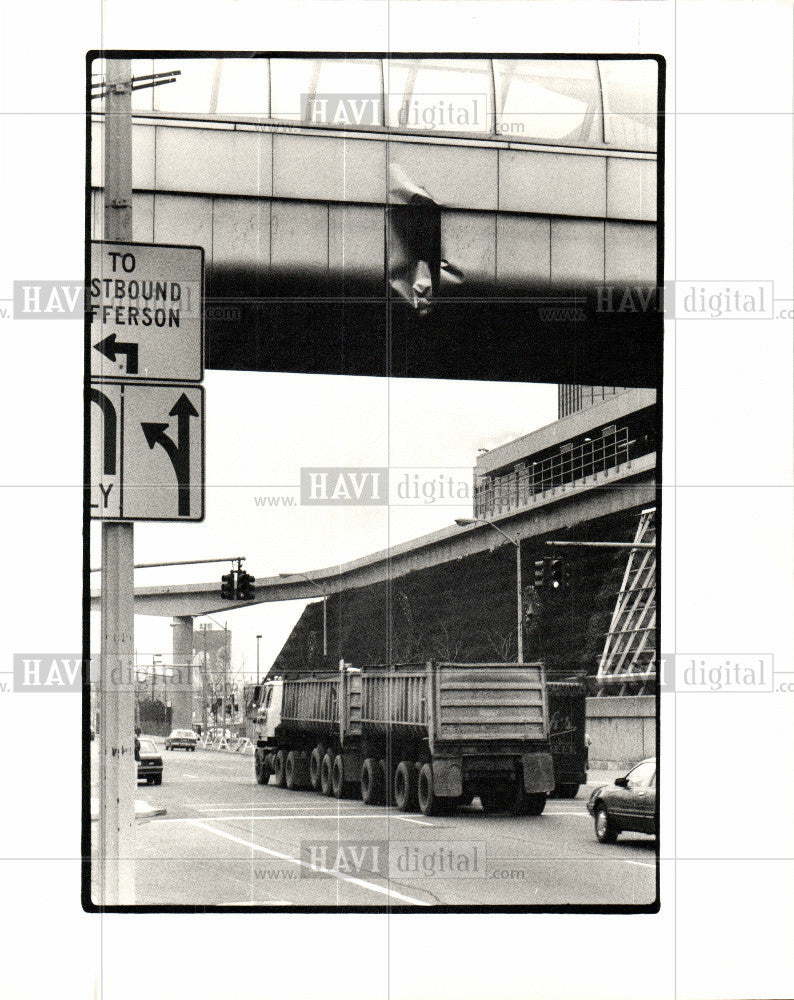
[{"x": 117, "y": 767}]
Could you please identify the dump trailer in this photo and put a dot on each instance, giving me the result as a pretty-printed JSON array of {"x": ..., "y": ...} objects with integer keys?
[
  {"x": 429, "y": 736},
  {"x": 566, "y": 698}
]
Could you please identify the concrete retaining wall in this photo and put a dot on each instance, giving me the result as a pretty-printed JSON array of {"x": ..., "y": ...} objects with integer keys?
[{"x": 622, "y": 730}]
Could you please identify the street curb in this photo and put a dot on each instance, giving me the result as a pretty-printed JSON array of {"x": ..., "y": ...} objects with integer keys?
[{"x": 142, "y": 810}]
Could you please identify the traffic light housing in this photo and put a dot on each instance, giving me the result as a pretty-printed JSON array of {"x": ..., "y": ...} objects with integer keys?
[
  {"x": 542, "y": 572},
  {"x": 559, "y": 574},
  {"x": 227, "y": 586},
  {"x": 245, "y": 586}
]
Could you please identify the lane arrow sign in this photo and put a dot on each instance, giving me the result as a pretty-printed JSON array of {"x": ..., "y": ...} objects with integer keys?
[
  {"x": 110, "y": 430},
  {"x": 178, "y": 453},
  {"x": 110, "y": 348}
]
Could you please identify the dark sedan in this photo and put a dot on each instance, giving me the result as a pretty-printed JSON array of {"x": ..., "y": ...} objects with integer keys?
[
  {"x": 629, "y": 804},
  {"x": 150, "y": 763},
  {"x": 184, "y": 739}
]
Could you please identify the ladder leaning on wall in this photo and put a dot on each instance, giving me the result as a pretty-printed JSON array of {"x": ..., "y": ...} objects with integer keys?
[{"x": 628, "y": 662}]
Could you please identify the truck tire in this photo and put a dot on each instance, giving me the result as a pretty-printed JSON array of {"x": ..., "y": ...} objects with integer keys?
[
  {"x": 387, "y": 785},
  {"x": 535, "y": 803},
  {"x": 371, "y": 782},
  {"x": 280, "y": 769},
  {"x": 497, "y": 796},
  {"x": 316, "y": 766},
  {"x": 430, "y": 803},
  {"x": 326, "y": 774},
  {"x": 338, "y": 777},
  {"x": 293, "y": 771},
  {"x": 261, "y": 769},
  {"x": 527, "y": 803},
  {"x": 405, "y": 786},
  {"x": 566, "y": 791}
]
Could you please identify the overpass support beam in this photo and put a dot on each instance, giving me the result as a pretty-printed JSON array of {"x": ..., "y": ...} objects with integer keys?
[{"x": 181, "y": 690}]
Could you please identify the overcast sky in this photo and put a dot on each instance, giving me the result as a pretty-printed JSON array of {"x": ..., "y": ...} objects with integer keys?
[{"x": 262, "y": 428}]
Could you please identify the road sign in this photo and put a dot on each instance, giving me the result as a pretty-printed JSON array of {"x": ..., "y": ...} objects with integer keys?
[
  {"x": 146, "y": 311},
  {"x": 105, "y": 414},
  {"x": 147, "y": 452}
]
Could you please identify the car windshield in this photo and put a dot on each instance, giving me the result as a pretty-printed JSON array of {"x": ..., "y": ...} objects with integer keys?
[
  {"x": 182, "y": 732},
  {"x": 642, "y": 774},
  {"x": 148, "y": 747}
]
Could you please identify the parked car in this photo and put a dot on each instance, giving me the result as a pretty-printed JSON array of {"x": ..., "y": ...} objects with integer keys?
[
  {"x": 150, "y": 762},
  {"x": 181, "y": 739},
  {"x": 628, "y": 804}
]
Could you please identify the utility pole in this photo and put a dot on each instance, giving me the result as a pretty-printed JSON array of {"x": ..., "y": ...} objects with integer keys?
[
  {"x": 204, "y": 720},
  {"x": 117, "y": 767}
]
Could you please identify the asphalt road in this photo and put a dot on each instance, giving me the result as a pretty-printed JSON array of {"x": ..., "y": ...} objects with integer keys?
[{"x": 227, "y": 841}]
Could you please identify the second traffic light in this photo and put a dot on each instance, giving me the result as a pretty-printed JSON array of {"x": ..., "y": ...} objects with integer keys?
[
  {"x": 227, "y": 586},
  {"x": 245, "y": 586},
  {"x": 552, "y": 573},
  {"x": 560, "y": 574}
]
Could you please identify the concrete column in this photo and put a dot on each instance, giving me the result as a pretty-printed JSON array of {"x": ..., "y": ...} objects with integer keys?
[{"x": 181, "y": 690}]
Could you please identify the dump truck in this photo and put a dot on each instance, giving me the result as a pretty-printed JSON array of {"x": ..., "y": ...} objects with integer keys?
[
  {"x": 566, "y": 694},
  {"x": 429, "y": 736}
]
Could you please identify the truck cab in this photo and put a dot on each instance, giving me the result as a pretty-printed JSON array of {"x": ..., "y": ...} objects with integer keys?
[{"x": 267, "y": 711}]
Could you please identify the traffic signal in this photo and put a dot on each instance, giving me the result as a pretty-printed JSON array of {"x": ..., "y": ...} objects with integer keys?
[
  {"x": 543, "y": 572},
  {"x": 227, "y": 586},
  {"x": 560, "y": 574},
  {"x": 245, "y": 586}
]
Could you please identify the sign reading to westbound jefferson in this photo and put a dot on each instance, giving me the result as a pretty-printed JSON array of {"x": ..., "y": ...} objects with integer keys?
[
  {"x": 146, "y": 309},
  {"x": 146, "y": 411}
]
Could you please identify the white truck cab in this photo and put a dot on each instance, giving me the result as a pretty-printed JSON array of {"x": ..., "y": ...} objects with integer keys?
[{"x": 268, "y": 713}]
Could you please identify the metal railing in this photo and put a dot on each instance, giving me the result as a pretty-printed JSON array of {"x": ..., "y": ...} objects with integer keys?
[{"x": 571, "y": 463}]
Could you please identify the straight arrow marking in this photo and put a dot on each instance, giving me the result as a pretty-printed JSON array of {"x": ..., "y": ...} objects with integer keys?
[{"x": 179, "y": 453}]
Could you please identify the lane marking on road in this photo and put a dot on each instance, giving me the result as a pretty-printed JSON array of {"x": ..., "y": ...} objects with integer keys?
[
  {"x": 408, "y": 819},
  {"x": 302, "y": 816},
  {"x": 642, "y": 864},
  {"x": 371, "y": 886}
]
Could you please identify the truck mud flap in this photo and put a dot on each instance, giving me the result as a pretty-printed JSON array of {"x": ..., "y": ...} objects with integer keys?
[
  {"x": 538, "y": 772},
  {"x": 448, "y": 776}
]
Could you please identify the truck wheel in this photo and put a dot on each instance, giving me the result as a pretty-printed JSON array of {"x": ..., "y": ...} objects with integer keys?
[
  {"x": 261, "y": 769},
  {"x": 534, "y": 803},
  {"x": 405, "y": 786},
  {"x": 338, "y": 777},
  {"x": 497, "y": 797},
  {"x": 371, "y": 783},
  {"x": 567, "y": 791},
  {"x": 527, "y": 803},
  {"x": 315, "y": 767},
  {"x": 292, "y": 771},
  {"x": 387, "y": 786},
  {"x": 430, "y": 803},
  {"x": 280, "y": 769},
  {"x": 326, "y": 774}
]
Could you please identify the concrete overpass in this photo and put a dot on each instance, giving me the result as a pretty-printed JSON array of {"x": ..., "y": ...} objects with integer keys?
[{"x": 561, "y": 508}]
